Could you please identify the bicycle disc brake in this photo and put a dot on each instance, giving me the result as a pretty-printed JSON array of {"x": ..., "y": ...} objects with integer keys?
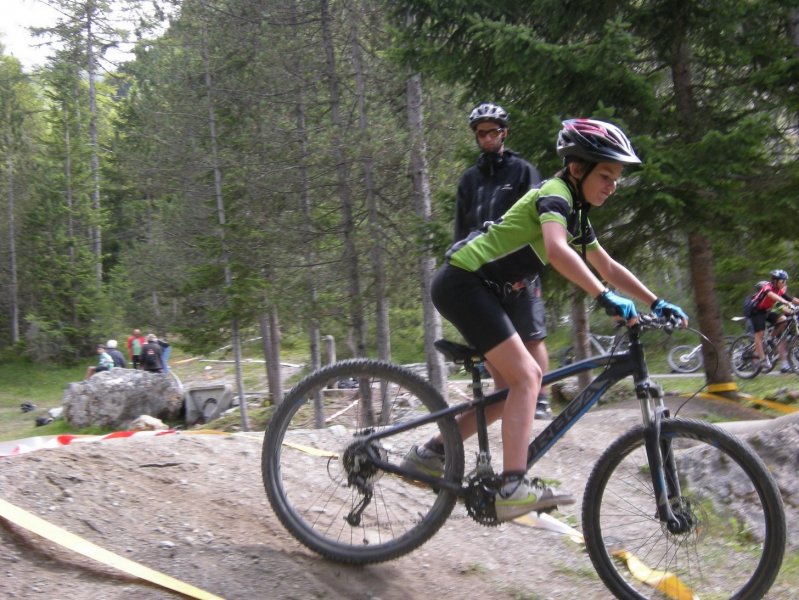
[{"x": 479, "y": 500}]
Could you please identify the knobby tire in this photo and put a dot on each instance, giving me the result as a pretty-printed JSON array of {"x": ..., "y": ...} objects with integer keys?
[
  {"x": 307, "y": 453},
  {"x": 737, "y": 544}
]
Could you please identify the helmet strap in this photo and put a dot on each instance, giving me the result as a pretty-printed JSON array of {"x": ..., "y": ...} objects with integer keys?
[{"x": 580, "y": 205}]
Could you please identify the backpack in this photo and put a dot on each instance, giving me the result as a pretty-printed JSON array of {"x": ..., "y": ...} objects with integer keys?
[
  {"x": 751, "y": 302},
  {"x": 150, "y": 359}
]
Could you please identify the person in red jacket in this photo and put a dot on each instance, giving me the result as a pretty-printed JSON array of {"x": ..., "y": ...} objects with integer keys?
[
  {"x": 135, "y": 343},
  {"x": 772, "y": 293}
]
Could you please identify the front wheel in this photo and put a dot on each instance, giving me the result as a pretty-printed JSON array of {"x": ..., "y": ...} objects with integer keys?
[
  {"x": 319, "y": 473},
  {"x": 734, "y": 541},
  {"x": 793, "y": 354},
  {"x": 685, "y": 359},
  {"x": 743, "y": 359}
]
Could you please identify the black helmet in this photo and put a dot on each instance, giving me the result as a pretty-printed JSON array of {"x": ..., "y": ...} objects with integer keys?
[
  {"x": 595, "y": 141},
  {"x": 779, "y": 274},
  {"x": 488, "y": 111}
]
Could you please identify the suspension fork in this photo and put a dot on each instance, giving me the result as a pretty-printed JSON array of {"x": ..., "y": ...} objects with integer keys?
[{"x": 663, "y": 470}]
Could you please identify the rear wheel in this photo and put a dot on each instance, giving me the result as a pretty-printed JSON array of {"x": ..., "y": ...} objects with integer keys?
[
  {"x": 320, "y": 475},
  {"x": 732, "y": 541},
  {"x": 743, "y": 360}
]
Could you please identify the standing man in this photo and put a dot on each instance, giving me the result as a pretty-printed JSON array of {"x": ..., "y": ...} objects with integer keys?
[
  {"x": 114, "y": 353},
  {"x": 135, "y": 343},
  {"x": 485, "y": 192},
  {"x": 151, "y": 353}
]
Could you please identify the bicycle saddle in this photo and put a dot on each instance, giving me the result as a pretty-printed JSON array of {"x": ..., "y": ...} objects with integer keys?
[{"x": 457, "y": 352}]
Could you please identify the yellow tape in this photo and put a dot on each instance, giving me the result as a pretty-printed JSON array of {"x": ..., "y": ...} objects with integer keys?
[
  {"x": 663, "y": 581},
  {"x": 312, "y": 451},
  {"x": 77, "y": 544},
  {"x": 784, "y": 408},
  {"x": 730, "y": 386}
]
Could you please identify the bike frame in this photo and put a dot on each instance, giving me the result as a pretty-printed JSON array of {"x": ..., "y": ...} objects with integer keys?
[{"x": 616, "y": 366}]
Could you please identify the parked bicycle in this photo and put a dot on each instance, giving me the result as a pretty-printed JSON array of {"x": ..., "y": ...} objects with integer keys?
[
  {"x": 598, "y": 345},
  {"x": 689, "y": 359},
  {"x": 684, "y": 496},
  {"x": 744, "y": 360}
]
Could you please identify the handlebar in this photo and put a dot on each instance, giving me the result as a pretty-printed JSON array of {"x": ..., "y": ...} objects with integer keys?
[{"x": 652, "y": 321}]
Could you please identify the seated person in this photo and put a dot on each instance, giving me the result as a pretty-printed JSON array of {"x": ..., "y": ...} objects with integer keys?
[{"x": 104, "y": 362}]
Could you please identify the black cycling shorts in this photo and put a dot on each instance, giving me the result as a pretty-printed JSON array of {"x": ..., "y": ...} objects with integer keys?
[
  {"x": 484, "y": 318},
  {"x": 759, "y": 318},
  {"x": 527, "y": 312}
]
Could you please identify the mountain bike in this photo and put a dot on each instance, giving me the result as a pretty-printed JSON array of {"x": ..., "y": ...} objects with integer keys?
[
  {"x": 691, "y": 501},
  {"x": 744, "y": 360},
  {"x": 598, "y": 344}
]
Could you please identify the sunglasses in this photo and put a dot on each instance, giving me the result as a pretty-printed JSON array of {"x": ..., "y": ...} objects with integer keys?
[{"x": 490, "y": 133}]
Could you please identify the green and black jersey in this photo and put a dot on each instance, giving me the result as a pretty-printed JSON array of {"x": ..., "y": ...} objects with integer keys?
[{"x": 512, "y": 248}]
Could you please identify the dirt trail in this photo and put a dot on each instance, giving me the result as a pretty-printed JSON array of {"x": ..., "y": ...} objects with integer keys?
[{"x": 193, "y": 507}]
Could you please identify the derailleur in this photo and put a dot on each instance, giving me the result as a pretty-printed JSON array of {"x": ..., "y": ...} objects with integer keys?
[{"x": 358, "y": 467}]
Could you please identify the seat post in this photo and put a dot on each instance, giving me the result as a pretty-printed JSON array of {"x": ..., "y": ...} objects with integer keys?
[{"x": 477, "y": 394}]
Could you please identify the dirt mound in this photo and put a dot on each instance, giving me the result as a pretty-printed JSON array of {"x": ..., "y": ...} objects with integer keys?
[{"x": 192, "y": 506}]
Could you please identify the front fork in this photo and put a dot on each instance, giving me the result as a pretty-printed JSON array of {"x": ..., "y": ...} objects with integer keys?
[{"x": 662, "y": 464}]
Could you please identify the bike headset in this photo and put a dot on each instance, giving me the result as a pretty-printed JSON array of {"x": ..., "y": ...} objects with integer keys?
[{"x": 591, "y": 141}]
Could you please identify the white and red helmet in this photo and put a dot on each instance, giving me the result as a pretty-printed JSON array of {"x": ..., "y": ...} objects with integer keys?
[{"x": 595, "y": 141}]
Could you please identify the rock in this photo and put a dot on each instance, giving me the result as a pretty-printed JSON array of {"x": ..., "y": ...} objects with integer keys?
[
  {"x": 114, "y": 398},
  {"x": 147, "y": 423}
]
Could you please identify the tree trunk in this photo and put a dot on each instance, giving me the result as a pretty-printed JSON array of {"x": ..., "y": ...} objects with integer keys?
[
  {"x": 436, "y": 368},
  {"x": 580, "y": 332},
  {"x": 339, "y": 154},
  {"x": 270, "y": 343},
  {"x": 13, "y": 290},
  {"x": 91, "y": 66},
  {"x": 220, "y": 208},
  {"x": 700, "y": 262},
  {"x": 375, "y": 229},
  {"x": 700, "y": 252},
  {"x": 314, "y": 333}
]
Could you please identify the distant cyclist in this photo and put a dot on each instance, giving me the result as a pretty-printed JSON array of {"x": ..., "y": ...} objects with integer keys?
[
  {"x": 772, "y": 293},
  {"x": 549, "y": 225},
  {"x": 486, "y": 191}
]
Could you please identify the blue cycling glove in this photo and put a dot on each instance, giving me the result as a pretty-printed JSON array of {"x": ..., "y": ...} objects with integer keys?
[
  {"x": 661, "y": 308},
  {"x": 617, "y": 306}
]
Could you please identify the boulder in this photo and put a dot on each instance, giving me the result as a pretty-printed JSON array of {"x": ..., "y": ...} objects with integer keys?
[{"x": 113, "y": 399}]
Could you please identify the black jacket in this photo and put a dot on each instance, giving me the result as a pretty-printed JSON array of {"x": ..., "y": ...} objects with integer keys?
[{"x": 490, "y": 188}]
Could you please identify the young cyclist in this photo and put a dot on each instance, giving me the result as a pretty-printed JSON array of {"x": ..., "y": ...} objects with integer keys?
[
  {"x": 772, "y": 293},
  {"x": 104, "y": 362},
  {"x": 548, "y": 225},
  {"x": 486, "y": 190}
]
